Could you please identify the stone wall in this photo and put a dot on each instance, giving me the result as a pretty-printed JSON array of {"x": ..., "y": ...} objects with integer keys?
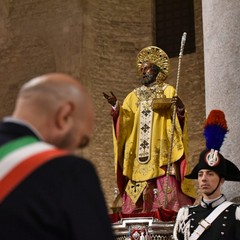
[{"x": 96, "y": 41}]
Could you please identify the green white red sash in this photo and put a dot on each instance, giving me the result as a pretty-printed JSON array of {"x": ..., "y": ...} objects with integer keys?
[{"x": 19, "y": 158}]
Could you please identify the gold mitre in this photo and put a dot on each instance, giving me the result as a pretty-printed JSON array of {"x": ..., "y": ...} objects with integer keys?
[{"x": 157, "y": 56}]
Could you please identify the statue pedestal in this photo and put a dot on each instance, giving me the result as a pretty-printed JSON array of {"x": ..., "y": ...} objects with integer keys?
[{"x": 143, "y": 228}]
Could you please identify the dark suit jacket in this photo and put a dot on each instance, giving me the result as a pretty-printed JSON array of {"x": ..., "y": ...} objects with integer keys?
[{"x": 62, "y": 199}]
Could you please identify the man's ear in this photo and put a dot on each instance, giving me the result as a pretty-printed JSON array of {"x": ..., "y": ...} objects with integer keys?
[
  {"x": 222, "y": 180},
  {"x": 64, "y": 115}
]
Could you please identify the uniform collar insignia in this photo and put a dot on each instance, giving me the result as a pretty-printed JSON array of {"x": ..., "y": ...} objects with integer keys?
[{"x": 215, "y": 203}]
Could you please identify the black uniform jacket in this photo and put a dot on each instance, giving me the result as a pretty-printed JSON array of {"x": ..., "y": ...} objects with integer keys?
[
  {"x": 225, "y": 227},
  {"x": 62, "y": 199}
]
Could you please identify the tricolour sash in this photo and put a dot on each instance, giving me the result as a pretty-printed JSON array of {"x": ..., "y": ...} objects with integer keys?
[{"x": 19, "y": 158}]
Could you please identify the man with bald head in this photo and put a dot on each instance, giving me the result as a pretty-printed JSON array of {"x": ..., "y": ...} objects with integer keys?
[{"x": 47, "y": 192}]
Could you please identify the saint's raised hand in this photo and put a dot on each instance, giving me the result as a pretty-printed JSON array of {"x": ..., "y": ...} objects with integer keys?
[{"x": 111, "y": 99}]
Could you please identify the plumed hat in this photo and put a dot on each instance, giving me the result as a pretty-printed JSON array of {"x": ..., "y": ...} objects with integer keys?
[{"x": 215, "y": 130}]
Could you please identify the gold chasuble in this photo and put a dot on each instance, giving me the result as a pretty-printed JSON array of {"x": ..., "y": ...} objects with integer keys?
[{"x": 142, "y": 146}]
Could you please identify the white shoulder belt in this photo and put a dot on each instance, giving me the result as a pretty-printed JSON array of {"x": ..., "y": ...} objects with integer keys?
[{"x": 204, "y": 224}]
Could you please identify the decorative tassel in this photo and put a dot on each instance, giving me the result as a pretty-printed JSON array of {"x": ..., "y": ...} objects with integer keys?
[{"x": 215, "y": 129}]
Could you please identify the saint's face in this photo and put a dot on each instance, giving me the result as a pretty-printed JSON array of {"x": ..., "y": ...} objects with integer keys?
[
  {"x": 148, "y": 76},
  {"x": 146, "y": 68}
]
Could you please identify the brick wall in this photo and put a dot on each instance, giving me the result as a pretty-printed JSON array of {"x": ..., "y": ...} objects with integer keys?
[{"x": 96, "y": 41}]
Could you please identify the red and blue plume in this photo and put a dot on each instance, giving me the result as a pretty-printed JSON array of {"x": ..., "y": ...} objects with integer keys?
[{"x": 215, "y": 129}]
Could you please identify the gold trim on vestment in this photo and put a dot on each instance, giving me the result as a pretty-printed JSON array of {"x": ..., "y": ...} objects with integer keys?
[{"x": 135, "y": 189}]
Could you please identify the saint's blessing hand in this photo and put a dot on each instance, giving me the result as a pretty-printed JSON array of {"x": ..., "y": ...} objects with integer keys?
[{"x": 111, "y": 99}]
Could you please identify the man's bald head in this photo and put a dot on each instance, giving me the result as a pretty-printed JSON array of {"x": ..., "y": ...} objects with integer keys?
[
  {"x": 54, "y": 86},
  {"x": 59, "y": 107}
]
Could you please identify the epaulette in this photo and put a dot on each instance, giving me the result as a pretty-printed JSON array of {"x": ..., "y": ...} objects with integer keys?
[{"x": 182, "y": 213}]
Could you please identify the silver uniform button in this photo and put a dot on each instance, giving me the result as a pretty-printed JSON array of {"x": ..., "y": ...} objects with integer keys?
[
  {"x": 224, "y": 225},
  {"x": 222, "y": 233},
  {"x": 225, "y": 217}
]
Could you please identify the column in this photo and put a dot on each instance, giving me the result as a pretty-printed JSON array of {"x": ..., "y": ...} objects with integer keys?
[{"x": 221, "y": 33}]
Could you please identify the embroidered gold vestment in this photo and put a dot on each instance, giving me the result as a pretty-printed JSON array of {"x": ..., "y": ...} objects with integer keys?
[{"x": 141, "y": 156}]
